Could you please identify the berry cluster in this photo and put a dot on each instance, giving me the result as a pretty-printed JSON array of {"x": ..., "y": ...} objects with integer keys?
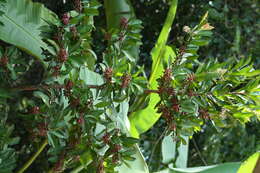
[
  {"x": 65, "y": 18},
  {"x": 62, "y": 55},
  {"x": 165, "y": 88},
  {"x": 109, "y": 139},
  {"x": 124, "y": 23},
  {"x": 172, "y": 97}
]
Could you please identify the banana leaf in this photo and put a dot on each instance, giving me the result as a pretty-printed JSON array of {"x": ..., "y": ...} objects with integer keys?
[{"x": 22, "y": 23}]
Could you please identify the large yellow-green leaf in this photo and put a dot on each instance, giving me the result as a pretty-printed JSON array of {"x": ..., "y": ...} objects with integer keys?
[
  {"x": 22, "y": 20},
  {"x": 144, "y": 119},
  {"x": 250, "y": 164}
]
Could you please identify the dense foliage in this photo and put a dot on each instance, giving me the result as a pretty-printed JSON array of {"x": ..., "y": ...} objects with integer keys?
[
  {"x": 73, "y": 97},
  {"x": 236, "y": 25}
]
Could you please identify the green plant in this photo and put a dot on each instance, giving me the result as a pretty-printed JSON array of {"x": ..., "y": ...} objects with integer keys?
[{"x": 61, "y": 110}]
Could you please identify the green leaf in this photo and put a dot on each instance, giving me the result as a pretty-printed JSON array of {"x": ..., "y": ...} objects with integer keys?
[
  {"x": 102, "y": 104},
  {"x": 86, "y": 158},
  {"x": 42, "y": 96},
  {"x": 188, "y": 106},
  {"x": 129, "y": 141},
  {"x": 246, "y": 73},
  {"x": 58, "y": 134},
  {"x": 143, "y": 120},
  {"x": 50, "y": 140},
  {"x": 90, "y": 77},
  {"x": 22, "y": 22},
  {"x": 4, "y": 93}
]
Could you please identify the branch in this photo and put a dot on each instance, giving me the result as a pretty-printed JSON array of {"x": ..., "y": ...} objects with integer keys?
[
  {"x": 32, "y": 159},
  {"x": 155, "y": 145},
  {"x": 198, "y": 151}
]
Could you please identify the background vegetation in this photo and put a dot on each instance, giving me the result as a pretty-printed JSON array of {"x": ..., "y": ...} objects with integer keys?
[{"x": 98, "y": 39}]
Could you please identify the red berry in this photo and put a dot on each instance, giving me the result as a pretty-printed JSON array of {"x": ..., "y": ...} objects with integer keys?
[
  {"x": 121, "y": 36},
  {"x": 80, "y": 120},
  {"x": 126, "y": 79},
  {"x": 115, "y": 158},
  {"x": 65, "y": 19},
  {"x": 42, "y": 129},
  {"x": 69, "y": 85},
  {"x": 74, "y": 102},
  {"x": 106, "y": 138},
  {"x": 4, "y": 61},
  {"x": 172, "y": 127},
  {"x": 190, "y": 77},
  {"x": 58, "y": 166},
  {"x": 124, "y": 22},
  {"x": 167, "y": 76},
  {"x": 56, "y": 70},
  {"x": 101, "y": 168},
  {"x": 108, "y": 74},
  {"x": 165, "y": 113},
  {"x": 182, "y": 50},
  {"x": 204, "y": 114},
  {"x": 174, "y": 101},
  {"x": 176, "y": 107},
  {"x": 62, "y": 55},
  {"x": 170, "y": 91},
  {"x": 35, "y": 110},
  {"x": 116, "y": 148}
]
